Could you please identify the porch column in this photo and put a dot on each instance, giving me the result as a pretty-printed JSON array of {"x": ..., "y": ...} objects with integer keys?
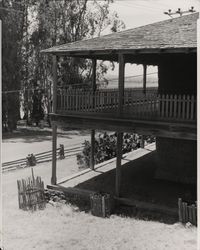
[
  {"x": 120, "y": 134},
  {"x": 144, "y": 78},
  {"x": 92, "y": 161},
  {"x": 121, "y": 82},
  {"x": 54, "y": 126},
  {"x": 118, "y": 164}
]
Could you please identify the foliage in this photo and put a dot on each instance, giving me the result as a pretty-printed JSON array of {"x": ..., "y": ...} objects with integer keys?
[
  {"x": 12, "y": 33},
  {"x": 60, "y": 22},
  {"x": 106, "y": 147},
  {"x": 30, "y": 26}
]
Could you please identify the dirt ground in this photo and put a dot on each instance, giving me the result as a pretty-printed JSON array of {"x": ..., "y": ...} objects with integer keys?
[{"x": 64, "y": 227}]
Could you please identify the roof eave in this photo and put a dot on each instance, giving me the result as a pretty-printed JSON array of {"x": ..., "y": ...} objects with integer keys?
[{"x": 90, "y": 53}]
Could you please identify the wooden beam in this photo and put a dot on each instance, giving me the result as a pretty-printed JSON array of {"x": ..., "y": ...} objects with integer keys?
[
  {"x": 144, "y": 127},
  {"x": 118, "y": 164},
  {"x": 92, "y": 160},
  {"x": 144, "y": 78},
  {"x": 121, "y": 82},
  {"x": 54, "y": 147},
  {"x": 55, "y": 80}
]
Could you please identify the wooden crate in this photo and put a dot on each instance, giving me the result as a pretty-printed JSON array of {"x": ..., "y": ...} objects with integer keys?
[
  {"x": 101, "y": 204},
  {"x": 187, "y": 212}
]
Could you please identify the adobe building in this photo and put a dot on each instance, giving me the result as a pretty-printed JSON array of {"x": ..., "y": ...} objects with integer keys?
[{"x": 170, "y": 114}]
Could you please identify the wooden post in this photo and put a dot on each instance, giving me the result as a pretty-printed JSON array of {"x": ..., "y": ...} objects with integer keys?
[
  {"x": 94, "y": 66},
  {"x": 54, "y": 127},
  {"x": 144, "y": 78},
  {"x": 54, "y": 147},
  {"x": 92, "y": 160},
  {"x": 121, "y": 82},
  {"x": 55, "y": 80},
  {"x": 118, "y": 163}
]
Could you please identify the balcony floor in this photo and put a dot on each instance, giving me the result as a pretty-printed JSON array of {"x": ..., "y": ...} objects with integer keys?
[{"x": 126, "y": 123}]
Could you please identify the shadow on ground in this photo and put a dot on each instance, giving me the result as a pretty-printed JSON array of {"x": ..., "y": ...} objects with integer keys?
[
  {"x": 35, "y": 134},
  {"x": 138, "y": 183}
]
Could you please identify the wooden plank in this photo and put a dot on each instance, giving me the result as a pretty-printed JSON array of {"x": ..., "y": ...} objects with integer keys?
[
  {"x": 180, "y": 210},
  {"x": 175, "y": 107},
  {"x": 188, "y": 107},
  {"x": 179, "y": 106},
  {"x": 118, "y": 163},
  {"x": 54, "y": 147},
  {"x": 171, "y": 99},
  {"x": 183, "y": 107},
  {"x": 192, "y": 108},
  {"x": 55, "y": 80}
]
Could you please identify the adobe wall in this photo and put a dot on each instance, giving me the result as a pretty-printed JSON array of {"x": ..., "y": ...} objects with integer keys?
[
  {"x": 177, "y": 74},
  {"x": 177, "y": 158}
]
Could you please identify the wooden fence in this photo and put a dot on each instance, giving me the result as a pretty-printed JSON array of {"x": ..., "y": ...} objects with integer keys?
[
  {"x": 187, "y": 212},
  {"x": 31, "y": 193},
  {"x": 135, "y": 104},
  {"x": 41, "y": 157}
]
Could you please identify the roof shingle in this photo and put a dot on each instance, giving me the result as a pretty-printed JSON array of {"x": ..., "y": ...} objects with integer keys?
[{"x": 174, "y": 33}]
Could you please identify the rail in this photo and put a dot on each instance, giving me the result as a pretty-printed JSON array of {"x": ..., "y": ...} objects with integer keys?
[
  {"x": 41, "y": 157},
  {"x": 135, "y": 104}
]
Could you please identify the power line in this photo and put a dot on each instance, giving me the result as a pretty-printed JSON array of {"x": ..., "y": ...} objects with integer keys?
[{"x": 110, "y": 79}]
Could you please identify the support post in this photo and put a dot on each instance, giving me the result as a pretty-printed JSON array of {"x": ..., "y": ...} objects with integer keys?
[
  {"x": 92, "y": 160},
  {"x": 54, "y": 127},
  {"x": 118, "y": 163},
  {"x": 55, "y": 80},
  {"x": 54, "y": 147},
  {"x": 121, "y": 82},
  {"x": 94, "y": 67},
  {"x": 144, "y": 78}
]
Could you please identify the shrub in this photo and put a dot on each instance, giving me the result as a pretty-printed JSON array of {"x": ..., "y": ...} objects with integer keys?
[{"x": 106, "y": 147}]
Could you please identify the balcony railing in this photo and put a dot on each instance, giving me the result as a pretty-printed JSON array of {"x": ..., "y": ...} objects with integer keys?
[{"x": 135, "y": 104}]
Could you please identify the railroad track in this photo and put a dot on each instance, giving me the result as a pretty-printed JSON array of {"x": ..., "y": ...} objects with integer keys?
[{"x": 41, "y": 158}]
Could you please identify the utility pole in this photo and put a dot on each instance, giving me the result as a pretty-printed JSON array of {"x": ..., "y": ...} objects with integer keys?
[{"x": 179, "y": 12}]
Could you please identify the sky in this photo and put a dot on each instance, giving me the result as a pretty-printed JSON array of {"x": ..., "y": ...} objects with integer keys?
[{"x": 136, "y": 13}]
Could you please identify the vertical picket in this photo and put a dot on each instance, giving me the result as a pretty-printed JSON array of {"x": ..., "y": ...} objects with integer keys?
[{"x": 192, "y": 108}]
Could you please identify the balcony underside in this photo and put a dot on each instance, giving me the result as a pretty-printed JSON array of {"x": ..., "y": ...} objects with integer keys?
[{"x": 123, "y": 123}]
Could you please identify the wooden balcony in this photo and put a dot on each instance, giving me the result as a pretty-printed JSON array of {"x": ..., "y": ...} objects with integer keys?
[{"x": 135, "y": 105}]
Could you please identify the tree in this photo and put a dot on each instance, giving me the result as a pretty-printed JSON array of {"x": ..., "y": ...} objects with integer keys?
[
  {"x": 30, "y": 26},
  {"x": 12, "y": 32},
  {"x": 60, "y": 22}
]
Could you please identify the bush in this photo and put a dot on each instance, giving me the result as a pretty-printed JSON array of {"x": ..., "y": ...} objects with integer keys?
[{"x": 106, "y": 147}]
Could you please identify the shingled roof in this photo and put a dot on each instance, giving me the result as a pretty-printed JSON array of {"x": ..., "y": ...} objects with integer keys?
[{"x": 177, "y": 33}]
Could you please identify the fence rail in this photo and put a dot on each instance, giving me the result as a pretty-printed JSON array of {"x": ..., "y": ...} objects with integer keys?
[
  {"x": 135, "y": 104},
  {"x": 41, "y": 157}
]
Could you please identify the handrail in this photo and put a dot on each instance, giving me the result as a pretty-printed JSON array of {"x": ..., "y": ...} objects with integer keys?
[{"x": 136, "y": 104}]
